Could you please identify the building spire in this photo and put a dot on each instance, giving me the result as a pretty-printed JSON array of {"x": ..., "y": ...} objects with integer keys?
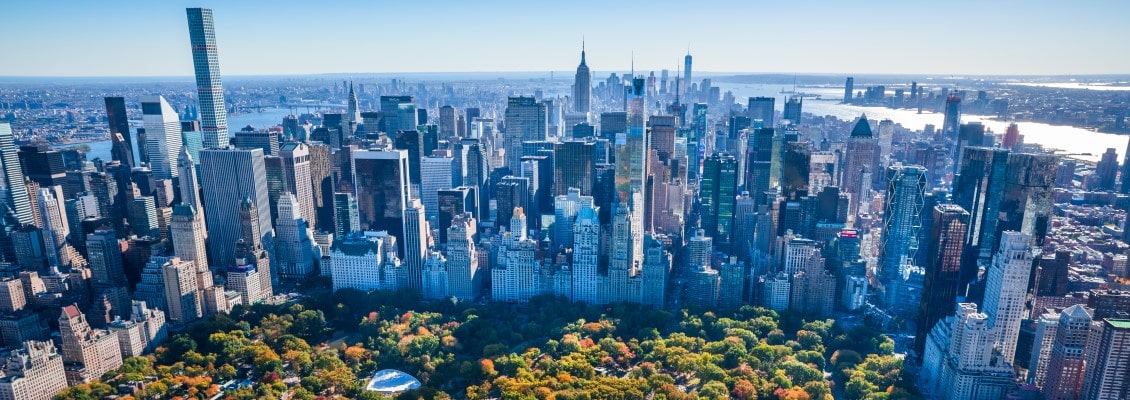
[
  {"x": 582, "y": 50},
  {"x": 633, "y": 64}
]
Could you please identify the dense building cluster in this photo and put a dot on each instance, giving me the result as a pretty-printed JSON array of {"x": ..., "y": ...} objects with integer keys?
[{"x": 999, "y": 268}]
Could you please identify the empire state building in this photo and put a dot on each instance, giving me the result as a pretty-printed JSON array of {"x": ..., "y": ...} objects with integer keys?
[{"x": 582, "y": 86}]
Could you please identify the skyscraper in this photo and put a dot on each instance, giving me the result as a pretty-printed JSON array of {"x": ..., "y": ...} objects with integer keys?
[
  {"x": 463, "y": 274},
  {"x": 1107, "y": 170},
  {"x": 249, "y": 249},
  {"x": 952, "y": 122},
  {"x": 189, "y": 237},
  {"x": 293, "y": 256},
  {"x": 209, "y": 88},
  {"x": 687, "y": 72},
  {"x": 353, "y": 112},
  {"x": 415, "y": 241},
  {"x": 902, "y": 217},
  {"x": 1006, "y": 289},
  {"x": 849, "y": 89},
  {"x": 296, "y": 172},
  {"x": 573, "y": 166},
  {"x": 122, "y": 150},
  {"x": 586, "y": 255},
  {"x": 582, "y": 86},
  {"x": 1124, "y": 187},
  {"x": 1106, "y": 371},
  {"x": 448, "y": 120},
  {"x": 761, "y": 108},
  {"x": 1065, "y": 365},
  {"x": 526, "y": 120},
  {"x": 943, "y": 268},
  {"x": 862, "y": 159},
  {"x": 1011, "y": 136},
  {"x": 345, "y": 214},
  {"x": 793, "y": 109},
  {"x": 230, "y": 176},
  {"x": 399, "y": 114},
  {"x": 718, "y": 189},
  {"x": 162, "y": 136},
  {"x": 105, "y": 257},
  {"x": 380, "y": 180},
  {"x": 182, "y": 297},
  {"x": 437, "y": 174},
  {"x": 13, "y": 189},
  {"x": 630, "y": 180}
]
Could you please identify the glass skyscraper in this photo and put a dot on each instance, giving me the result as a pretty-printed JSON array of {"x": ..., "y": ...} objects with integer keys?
[
  {"x": 209, "y": 88},
  {"x": 14, "y": 191}
]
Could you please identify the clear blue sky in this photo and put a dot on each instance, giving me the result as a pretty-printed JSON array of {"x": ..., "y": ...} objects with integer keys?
[{"x": 257, "y": 37}]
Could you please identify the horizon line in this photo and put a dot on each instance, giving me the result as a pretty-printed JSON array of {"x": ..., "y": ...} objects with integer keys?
[{"x": 711, "y": 73}]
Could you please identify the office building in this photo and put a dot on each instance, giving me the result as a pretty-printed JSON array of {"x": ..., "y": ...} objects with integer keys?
[
  {"x": 230, "y": 176},
  {"x": 1006, "y": 290},
  {"x": 293, "y": 257},
  {"x": 345, "y": 214},
  {"x": 1107, "y": 171},
  {"x": 1042, "y": 342},
  {"x": 121, "y": 141},
  {"x": 296, "y": 161},
  {"x": 43, "y": 165},
  {"x": 463, "y": 273},
  {"x": 189, "y": 237},
  {"x": 952, "y": 122},
  {"x": 793, "y": 110},
  {"x": 398, "y": 114},
  {"x": 105, "y": 257},
  {"x": 902, "y": 217},
  {"x": 448, "y": 120},
  {"x": 209, "y": 87},
  {"x": 250, "y": 248},
  {"x": 1066, "y": 366},
  {"x": 381, "y": 188},
  {"x": 761, "y": 108},
  {"x": 13, "y": 189},
  {"x": 437, "y": 174},
  {"x": 1108, "y": 362},
  {"x": 861, "y": 159},
  {"x": 182, "y": 297},
  {"x": 718, "y": 190},
  {"x": 942, "y": 282},
  {"x": 573, "y": 166},
  {"x": 582, "y": 86},
  {"x": 526, "y": 120},
  {"x": 163, "y": 140},
  {"x": 416, "y": 239}
]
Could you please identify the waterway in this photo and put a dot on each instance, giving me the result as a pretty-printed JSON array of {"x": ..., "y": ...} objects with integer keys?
[
  {"x": 267, "y": 118},
  {"x": 1082, "y": 143}
]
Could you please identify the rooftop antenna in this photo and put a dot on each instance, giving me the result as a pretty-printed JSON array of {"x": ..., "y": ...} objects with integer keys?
[
  {"x": 678, "y": 72},
  {"x": 633, "y": 64}
]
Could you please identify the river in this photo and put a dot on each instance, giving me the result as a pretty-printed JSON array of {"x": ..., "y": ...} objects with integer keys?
[
  {"x": 1068, "y": 139},
  {"x": 269, "y": 117},
  {"x": 1065, "y": 138}
]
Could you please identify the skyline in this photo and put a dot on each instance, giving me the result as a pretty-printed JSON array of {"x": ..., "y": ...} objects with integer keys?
[{"x": 879, "y": 38}]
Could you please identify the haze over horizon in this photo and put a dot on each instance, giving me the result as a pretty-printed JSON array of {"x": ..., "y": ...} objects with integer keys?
[{"x": 259, "y": 38}]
